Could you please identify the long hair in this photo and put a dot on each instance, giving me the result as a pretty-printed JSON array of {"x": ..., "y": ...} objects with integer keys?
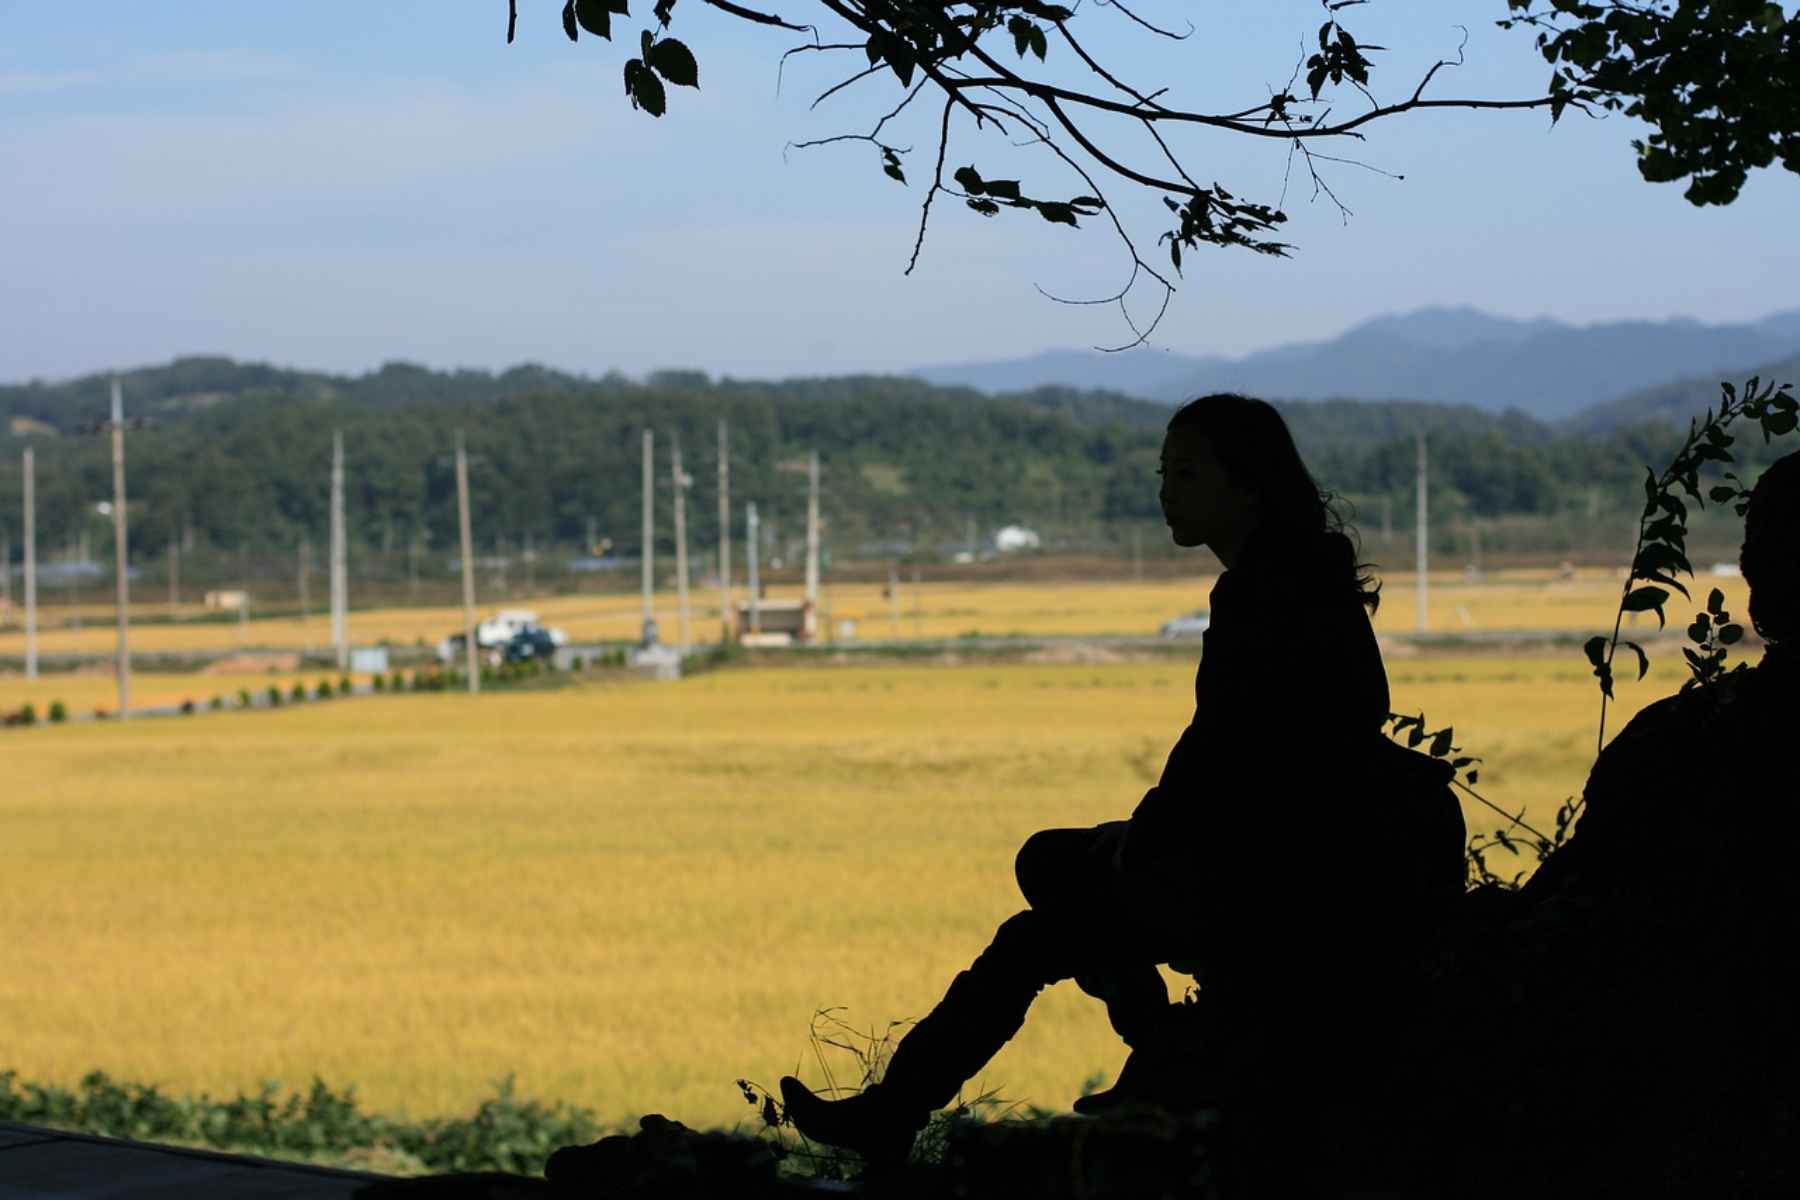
[
  {"x": 1770, "y": 559},
  {"x": 1253, "y": 444}
]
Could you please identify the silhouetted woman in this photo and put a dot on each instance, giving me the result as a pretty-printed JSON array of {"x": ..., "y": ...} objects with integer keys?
[{"x": 1234, "y": 859}]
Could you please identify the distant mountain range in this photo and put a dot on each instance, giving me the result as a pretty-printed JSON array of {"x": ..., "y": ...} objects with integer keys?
[{"x": 1543, "y": 368}]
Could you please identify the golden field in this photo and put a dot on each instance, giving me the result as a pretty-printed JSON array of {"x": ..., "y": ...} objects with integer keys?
[
  {"x": 1536, "y": 600},
  {"x": 628, "y": 894}
]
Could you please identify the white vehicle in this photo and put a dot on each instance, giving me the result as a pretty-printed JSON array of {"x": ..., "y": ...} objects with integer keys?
[
  {"x": 1192, "y": 625},
  {"x": 492, "y": 634}
]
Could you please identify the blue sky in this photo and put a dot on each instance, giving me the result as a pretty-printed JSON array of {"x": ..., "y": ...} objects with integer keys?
[{"x": 336, "y": 184}]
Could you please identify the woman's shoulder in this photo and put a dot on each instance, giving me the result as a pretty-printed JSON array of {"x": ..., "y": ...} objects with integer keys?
[{"x": 1314, "y": 572}]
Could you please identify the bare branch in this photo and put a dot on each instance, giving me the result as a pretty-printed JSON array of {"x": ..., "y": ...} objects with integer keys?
[
  {"x": 842, "y": 84},
  {"x": 937, "y": 185},
  {"x": 760, "y": 18},
  {"x": 512, "y": 20},
  {"x": 781, "y": 66},
  {"x": 1062, "y": 27},
  {"x": 1178, "y": 37},
  {"x": 1420, "y": 90}
]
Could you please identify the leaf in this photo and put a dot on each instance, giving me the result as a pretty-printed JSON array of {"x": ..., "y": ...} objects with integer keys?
[
  {"x": 969, "y": 180},
  {"x": 633, "y": 69},
  {"x": 1700, "y": 630},
  {"x": 1059, "y": 214},
  {"x": 1020, "y": 29},
  {"x": 1730, "y": 634},
  {"x": 1722, "y": 493},
  {"x": 1595, "y": 648},
  {"x": 1715, "y": 602},
  {"x": 644, "y": 41},
  {"x": 1646, "y": 599},
  {"x": 1039, "y": 46},
  {"x": 1440, "y": 742},
  {"x": 568, "y": 16},
  {"x": 623, "y": 9},
  {"x": 1474, "y": 778},
  {"x": 649, "y": 93},
  {"x": 675, "y": 63},
  {"x": 1006, "y": 189},
  {"x": 892, "y": 170},
  {"x": 986, "y": 208},
  {"x": 900, "y": 58},
  {"x": 595, "y": 17},
  {"x": 1093, "y": 202},
  {"x": 1643, "y": 659}
]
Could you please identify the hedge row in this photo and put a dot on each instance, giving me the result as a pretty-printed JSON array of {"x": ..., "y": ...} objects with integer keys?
[{"x": 504, "y": 1133}]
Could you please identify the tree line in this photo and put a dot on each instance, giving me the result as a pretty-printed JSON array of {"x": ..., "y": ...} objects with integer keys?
[{"x": 239, "y": 454}]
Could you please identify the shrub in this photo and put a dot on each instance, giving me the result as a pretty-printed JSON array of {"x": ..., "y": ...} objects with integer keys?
[
  {"x": 505, "y": 1133},
  {"x": 244, "y": 700},
  {"x": 218, "y": 702},
  {"x": 345, "y": 686},
  {"x": 59, "y": 712},
  {"x": 27, "y": 715},
  {"x": 398, "y": 683},
  {"x": 187, "y": 708},
  {"x": 323, "y": 691},
  {"x": 298, "y": 693},
  {"x": 274, "y": 696},
  {"x": 379, "y": 682}
]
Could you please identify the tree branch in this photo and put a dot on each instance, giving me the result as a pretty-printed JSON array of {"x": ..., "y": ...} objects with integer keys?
[{"x": 738, "y": 10}]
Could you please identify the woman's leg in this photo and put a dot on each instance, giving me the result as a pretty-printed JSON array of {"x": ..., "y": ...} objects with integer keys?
[
  {"x": 1070, "y": 871},
  {"x": 981, "y": 1010}
]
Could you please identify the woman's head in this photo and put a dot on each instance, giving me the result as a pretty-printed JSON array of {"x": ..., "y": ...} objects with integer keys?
[
  {"x": 1262, "y": 472},
  {"x": 1771, "y": 556},
  {"x": 1230, "y": 468}
]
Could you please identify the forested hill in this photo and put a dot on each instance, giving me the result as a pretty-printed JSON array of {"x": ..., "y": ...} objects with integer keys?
[{"x": 240, "y": 452}]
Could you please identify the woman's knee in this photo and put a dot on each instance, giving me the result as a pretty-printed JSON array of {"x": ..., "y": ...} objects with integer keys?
[{"x": 1043, "y": 865}]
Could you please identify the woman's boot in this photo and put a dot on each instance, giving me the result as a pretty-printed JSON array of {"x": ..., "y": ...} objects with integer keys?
[{"x": 981, "y": 1010}]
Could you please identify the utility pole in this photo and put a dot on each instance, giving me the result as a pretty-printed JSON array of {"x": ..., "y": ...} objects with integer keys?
[
  {"x": 305, "y": 591},
  {"x": 31, "y": 665},
  {"x": 680, "y": 482},
  {"x": 724, "y": 535},
  {"x": 1424, "y": 586},
  {"x": 647, "y": 554},
  {"x": 121, "y": 551},
  {"x": 243, "y": 629},
  {"x": 751, "y": 539},
  {"x": 340, "y": 582},
  {"x": 812, "y": 536},
  {"x": 473, "y": 663}
]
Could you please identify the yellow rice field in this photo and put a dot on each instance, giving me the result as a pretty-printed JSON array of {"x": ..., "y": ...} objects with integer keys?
[
  {"x": 1515, "y": 600},
  {"x": 628, "y": 894}
]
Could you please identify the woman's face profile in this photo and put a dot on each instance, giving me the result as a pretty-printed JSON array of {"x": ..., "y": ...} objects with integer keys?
[{"x": 1199, "y": 502}]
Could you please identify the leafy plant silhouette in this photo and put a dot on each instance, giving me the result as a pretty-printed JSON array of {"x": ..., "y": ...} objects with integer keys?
[{"x": 1659, "y": 556}]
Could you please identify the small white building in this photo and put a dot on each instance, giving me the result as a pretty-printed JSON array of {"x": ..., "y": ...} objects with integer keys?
[{"x": 1016, "y": 537}]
